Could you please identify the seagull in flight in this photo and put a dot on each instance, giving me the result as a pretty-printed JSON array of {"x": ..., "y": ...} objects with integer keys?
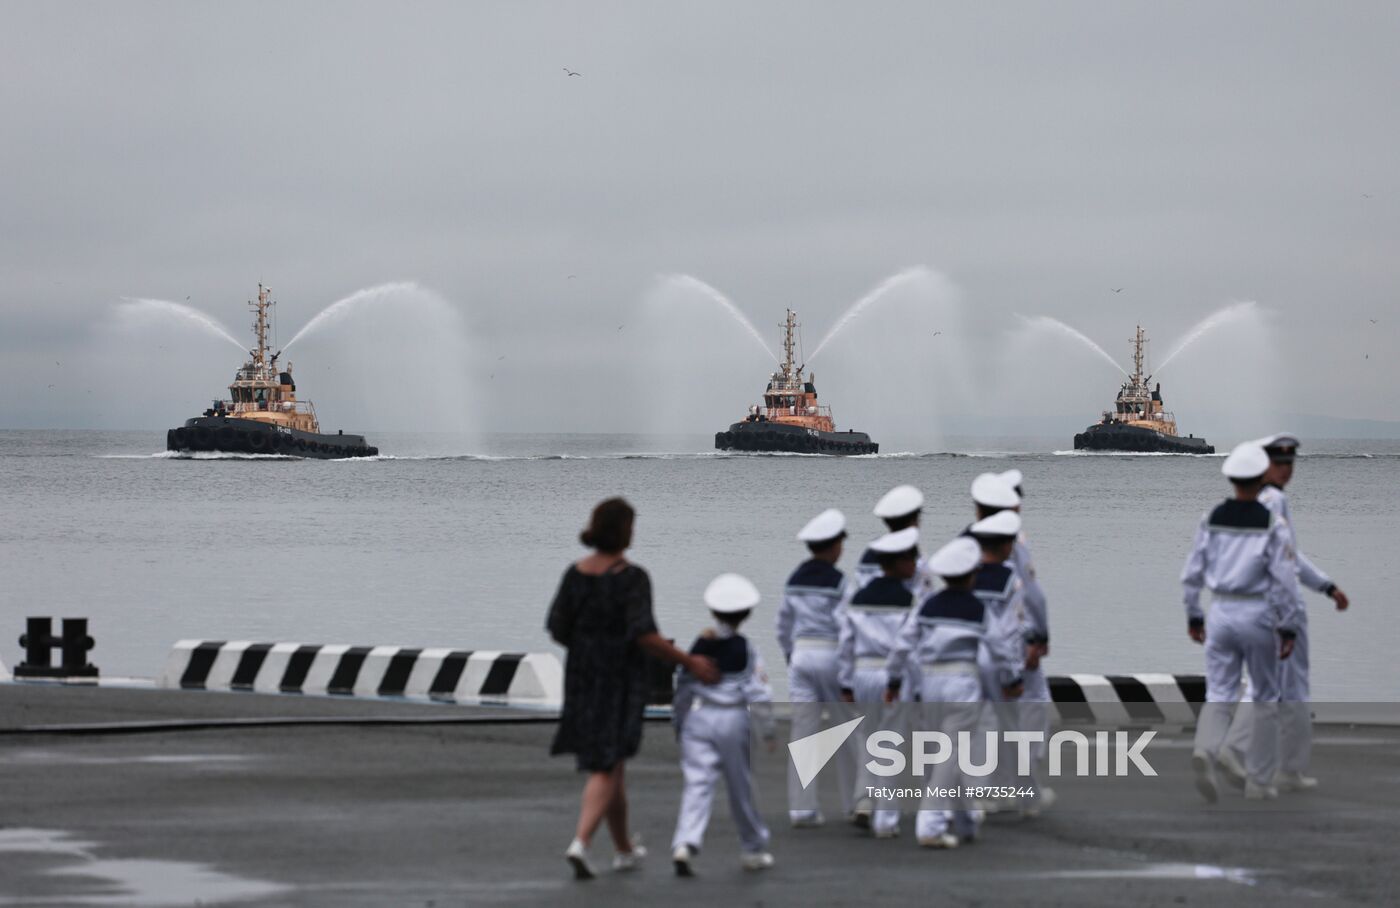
[
  {"x": 571, "y": 72},
  {"x": 620, "y": 327},
  {"x": 1373, "y": 321},
  {"x": 499, "y": 358},
  {"x": 572, "y": 276},
  {"x": 1116, "y": 289},
  {"x": 1367, "y": 195},
  {"x": 936, "y": 333}
]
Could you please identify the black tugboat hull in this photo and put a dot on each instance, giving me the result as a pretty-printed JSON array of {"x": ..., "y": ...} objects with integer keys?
[
  {"x": 772, "y": 437},
  {"x": 1137, "y": 440},
  {"x": 230, "y": 435}
]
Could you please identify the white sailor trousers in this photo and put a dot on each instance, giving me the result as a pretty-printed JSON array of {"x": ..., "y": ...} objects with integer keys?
[
  {"x": 868, "y": 686},
  {"x": 1034, "y": 709},
  {"x": 1295, "y": 710},
  {"x": 1240, "y": 635},
  {"x": 952, "y": 697},
  {"x": 715, "y": 744},
  {"x": 812, "y": 679}
]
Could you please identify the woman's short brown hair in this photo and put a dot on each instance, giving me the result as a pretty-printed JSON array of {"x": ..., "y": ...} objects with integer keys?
[{"x": 610, "y": 529}]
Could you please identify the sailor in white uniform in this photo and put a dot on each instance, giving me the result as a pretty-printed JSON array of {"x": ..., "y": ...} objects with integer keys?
[
  {"x": 951, "y": 632},
  {"x": 899, "y": 508},
  {"x": 1244, "y": 553},
  {"x": 868, "y": 624},
  {"x": 1032, "y": 594},
  {"x": 712, "y": 727},
  {"x": 807, "y": 635},
  {"x": 1295, "y": 714},
  {"x": 1034, "y": 710},
  {"x": 998, "y": 586}
]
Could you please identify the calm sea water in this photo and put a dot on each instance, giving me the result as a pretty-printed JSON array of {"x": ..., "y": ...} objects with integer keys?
[{"x": 462, "y": 544}]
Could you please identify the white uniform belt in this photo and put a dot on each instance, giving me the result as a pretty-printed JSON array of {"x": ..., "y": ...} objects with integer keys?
[
  {"x": 871, "y": 662},
  {"x": 1236, "y": 597},
  {"x": 699, "y": 703},
  {"x": 960, "y": 667},
  {"x": 814, "y": 643}
]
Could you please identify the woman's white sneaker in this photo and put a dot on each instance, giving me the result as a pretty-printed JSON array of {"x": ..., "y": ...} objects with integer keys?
[
  {"x": 577, "y": 856},
  {"x": 942, "y": 840},
  {"x": 624, "y": 861}
]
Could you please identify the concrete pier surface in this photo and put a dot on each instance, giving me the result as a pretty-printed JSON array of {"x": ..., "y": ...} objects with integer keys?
[{"x": 447, "y": 813}]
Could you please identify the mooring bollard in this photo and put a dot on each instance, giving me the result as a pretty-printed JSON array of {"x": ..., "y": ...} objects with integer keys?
[{"x": 38, "y": 639}]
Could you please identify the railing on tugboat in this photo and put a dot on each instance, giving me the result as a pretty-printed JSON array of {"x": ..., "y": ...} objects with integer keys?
[{"x": 266, "y": 406}]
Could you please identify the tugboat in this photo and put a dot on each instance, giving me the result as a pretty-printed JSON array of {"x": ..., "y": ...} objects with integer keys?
[
  {"x": 1137, "y": 422},
  {"x": 262, "y": 414},
  {"x": 790, "y": 420}
]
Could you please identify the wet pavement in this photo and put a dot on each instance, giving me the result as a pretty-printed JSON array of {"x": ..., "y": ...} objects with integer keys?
[{"x": 446, "y": 813}]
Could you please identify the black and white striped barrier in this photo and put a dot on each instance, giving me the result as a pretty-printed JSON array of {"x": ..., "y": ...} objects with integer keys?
[
  {"x": 1149, "y": 699},
  {"x": 537, "y": 679},
  {"x": 434, "y": 674}
]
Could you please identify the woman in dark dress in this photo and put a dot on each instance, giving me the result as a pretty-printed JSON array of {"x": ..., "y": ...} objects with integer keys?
[{"x": 602, "y": 615}]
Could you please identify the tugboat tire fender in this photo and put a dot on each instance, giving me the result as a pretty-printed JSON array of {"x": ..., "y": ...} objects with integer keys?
[
  {"x": 202, "y": 437},
  {"x": 257, "y": 442}
]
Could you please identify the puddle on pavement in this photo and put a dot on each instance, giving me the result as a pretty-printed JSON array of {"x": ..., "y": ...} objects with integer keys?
[
  {"x": 1240, "y": 875},
  {"x": 121, "y": 881},
  {"x": 64, "y": 758}
]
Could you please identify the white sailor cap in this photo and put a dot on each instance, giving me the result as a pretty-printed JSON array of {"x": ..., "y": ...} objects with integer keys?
[
  {"x": 990, "y": 490},
  {"x": 957, "y": 558},
  {"x": 1012, "y": 478},
  {"x": 827, "y": 525},
  {"x": 1246, "y": 461},
  {"x": 729, "y": 593},
  {"x": 899, "y": 501},
  {"x": 896, "y": 542},
  {"x": 1002, "y": 523}
]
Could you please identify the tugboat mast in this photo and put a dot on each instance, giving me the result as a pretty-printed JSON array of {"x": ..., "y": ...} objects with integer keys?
[
  {"x": 1139, "y": 342},
  {"x": 788, "y": 326},
  {"x": 260, "y": 326}
]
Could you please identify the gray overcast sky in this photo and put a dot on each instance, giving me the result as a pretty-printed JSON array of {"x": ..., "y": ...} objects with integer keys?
[{"x": 1036, "y": 154}]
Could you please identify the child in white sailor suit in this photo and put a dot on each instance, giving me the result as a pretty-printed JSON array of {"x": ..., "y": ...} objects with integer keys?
[
  {"x": 1034, "y": 703},
  {"x": 712, "y": 727},
  {"x": 899, "y": 508},
  {"x": 867, "y": 625},
  {"x": 949, "y": 634},
  {"x": 807, "y": 636}
]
